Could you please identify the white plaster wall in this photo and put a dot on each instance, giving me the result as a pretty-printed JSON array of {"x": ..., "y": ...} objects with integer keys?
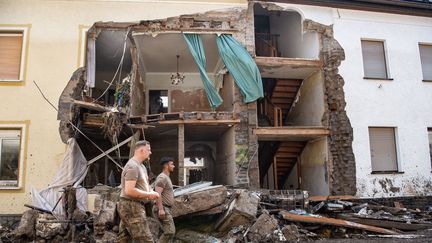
[
  {"x": 314, "y": 177},
  {"x": 404, "y": 103},
  {"x": 309, "y": 108}
]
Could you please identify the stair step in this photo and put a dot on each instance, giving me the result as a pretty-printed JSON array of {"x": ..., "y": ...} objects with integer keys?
[
  {"x": 289, "y": 81},
  {"x": 288, "y": 161},
  {"x": 286, "y": 165},
  {"x": 287, "y": 154},
  {"x": 282, "y": 100},
  {"x": 281, "y": 94},
  {"x": 290, "y": 149},
  {"x": 285, "y": 89}
]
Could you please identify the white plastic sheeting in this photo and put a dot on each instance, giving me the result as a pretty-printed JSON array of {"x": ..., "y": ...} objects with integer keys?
[{"x": 72, "y": 171}]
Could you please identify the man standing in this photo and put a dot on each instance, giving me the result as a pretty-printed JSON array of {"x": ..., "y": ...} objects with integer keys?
[
  {"x": 164, "y": 187},
  {"x": 135, "y": 192}
]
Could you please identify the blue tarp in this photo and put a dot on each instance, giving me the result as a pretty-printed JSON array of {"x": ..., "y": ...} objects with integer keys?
[
  {"x": 242, "y": 67},
  {"x": 197, "y": 49}
]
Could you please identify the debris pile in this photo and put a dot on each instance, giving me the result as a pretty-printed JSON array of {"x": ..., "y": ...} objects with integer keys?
[{"x": 206, "y": 213}]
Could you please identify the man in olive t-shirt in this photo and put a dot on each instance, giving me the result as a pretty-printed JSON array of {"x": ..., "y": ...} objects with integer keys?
[
  {"x": 164, "y": 187},
  {"x": 135, "y": 191}
]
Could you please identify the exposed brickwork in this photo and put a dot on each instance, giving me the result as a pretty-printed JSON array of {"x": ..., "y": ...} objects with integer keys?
[
  {"x": 73, "y": 90},
  {"x": 246, "y": 143},
  {"x": 341, "y": 165}
]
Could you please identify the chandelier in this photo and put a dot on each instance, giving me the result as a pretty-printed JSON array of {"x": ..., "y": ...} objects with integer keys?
[{"x": 177, "y": 78}]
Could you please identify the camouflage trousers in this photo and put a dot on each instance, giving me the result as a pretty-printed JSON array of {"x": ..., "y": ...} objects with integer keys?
[
  {"x": 168, "y": 226},
  {"x": 134, "y": 225}
]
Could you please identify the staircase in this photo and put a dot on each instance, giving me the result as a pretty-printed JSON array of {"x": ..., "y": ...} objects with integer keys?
[
  {"x": 278, "y": 101},
  {"x": 284, "y": 160},
  {"x": 284, "y": 94}
]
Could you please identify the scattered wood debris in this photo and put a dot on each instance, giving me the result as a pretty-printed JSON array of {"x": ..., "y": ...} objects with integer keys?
[{"x": 214, "y": 213}]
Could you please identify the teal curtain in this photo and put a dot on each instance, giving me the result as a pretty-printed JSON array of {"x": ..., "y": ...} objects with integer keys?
[
  {"x": 197, "y": 49},
  {"x": 242, "y": 67}
]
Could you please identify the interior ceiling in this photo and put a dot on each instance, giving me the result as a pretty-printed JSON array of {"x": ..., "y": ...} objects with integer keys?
[
  {"x": 109, "y": 50},
  {"x": 202, "y": 132},
  {"x": 159, "y": 53},
  {"x": 159, "y": 131}
]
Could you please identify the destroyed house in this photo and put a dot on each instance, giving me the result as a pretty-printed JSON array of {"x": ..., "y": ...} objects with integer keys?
[{"x": 172, "y": 82}]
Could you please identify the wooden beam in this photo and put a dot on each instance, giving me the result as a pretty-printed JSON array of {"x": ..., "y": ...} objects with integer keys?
[
  {"x": 290, "y": 133},
  {"x": 388, "y": 224},
  {"x": 295, "y": 62},
  {"x": 203, "y": 122},
  {"x": 335, "y": 222}
]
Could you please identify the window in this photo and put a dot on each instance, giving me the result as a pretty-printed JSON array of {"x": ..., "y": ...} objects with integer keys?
[
  {"x": 374, "y": 60},
  {"x": 158, "y": 101},
  {"x": 11, "y": 49},
  {"x": 383, "y": 149},
  {"x": 426, "y": 61},
  {"x": 430, "y": 142},
  {"x": 10, "y": 142}
]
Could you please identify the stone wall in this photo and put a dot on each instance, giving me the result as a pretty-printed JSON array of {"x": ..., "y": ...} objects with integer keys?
[
  {"x": 341, "y": 165},
  {"x": 247, "y": 169}
]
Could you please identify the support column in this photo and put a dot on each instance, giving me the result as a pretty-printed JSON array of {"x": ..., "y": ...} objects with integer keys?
[{"x": 181, "y": 154}]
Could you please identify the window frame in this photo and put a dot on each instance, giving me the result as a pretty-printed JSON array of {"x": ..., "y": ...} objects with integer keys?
[
  {"x": 24, "y": 29},
  {"x": 157, "y": 89},
  {"x": 22, "y": 127},
  {"x": 386, "y": 59},
  {"x": 82, "y": 45},
  {"x": 421, "y": 63},
  {"x": 397, "y": 155}
]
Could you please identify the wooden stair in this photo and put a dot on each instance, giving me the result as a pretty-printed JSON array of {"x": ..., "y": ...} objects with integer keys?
[
  {"x": 284, "y": 94},
  {"x": 285, "y": 158}
]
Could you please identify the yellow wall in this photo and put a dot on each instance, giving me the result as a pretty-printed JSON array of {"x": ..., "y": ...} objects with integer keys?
[{"x": 53, "y": 51}]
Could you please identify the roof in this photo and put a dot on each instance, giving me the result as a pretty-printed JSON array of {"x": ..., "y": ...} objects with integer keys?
[{"x": 405, "y": 7}]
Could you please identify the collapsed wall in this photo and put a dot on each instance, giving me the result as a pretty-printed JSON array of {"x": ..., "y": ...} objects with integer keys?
[
  {"x": 239, "y": 22},
  {"x": 341, "y": 164}
]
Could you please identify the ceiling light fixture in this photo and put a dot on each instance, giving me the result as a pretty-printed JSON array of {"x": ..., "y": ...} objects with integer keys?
[{"x": 177, "y": 78}]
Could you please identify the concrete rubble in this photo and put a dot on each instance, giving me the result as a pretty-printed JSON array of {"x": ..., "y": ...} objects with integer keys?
[{"x": 224, "y": 214}]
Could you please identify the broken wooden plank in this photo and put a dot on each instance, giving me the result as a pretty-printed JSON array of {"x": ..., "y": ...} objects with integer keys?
[
  {"x": 325, "y": 198},
  {"x": 109, "y": 151},
  {"x": 90, "y": 106},
  {"x": 335, "y": 222},
  {"x": 388, "y": 224}
]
